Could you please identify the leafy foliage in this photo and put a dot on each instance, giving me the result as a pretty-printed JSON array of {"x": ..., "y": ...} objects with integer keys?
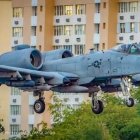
[{"x": 117, "y": 122}]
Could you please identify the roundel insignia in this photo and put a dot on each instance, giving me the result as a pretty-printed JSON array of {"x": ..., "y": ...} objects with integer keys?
[{"x": 96, "y": 64}]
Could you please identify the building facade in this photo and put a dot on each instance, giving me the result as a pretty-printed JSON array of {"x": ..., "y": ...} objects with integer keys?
[
  {"x": 52, "y": 24},
  {"x": 5, "y": 45}
]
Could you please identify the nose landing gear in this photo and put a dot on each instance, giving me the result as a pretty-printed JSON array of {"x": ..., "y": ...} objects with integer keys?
[{"x": 126, "y": 86}]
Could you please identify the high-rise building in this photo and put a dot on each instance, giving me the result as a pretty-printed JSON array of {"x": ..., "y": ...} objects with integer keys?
[
  {"x": 5, "y": 37},
  {"x": 52, "y": 24}
]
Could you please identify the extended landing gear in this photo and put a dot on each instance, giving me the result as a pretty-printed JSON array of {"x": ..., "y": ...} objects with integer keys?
[
  {"x": 97, "y": 105},
  {"x": 39, "y": 105},
  {"x": 126, "y": 86}
]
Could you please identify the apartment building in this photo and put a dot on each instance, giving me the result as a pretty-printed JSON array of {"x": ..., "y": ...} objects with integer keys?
[
  {"x": 128, "y": 27},
  {"x": 5, "y": 37},
  {"x": 52, "y": 24}
]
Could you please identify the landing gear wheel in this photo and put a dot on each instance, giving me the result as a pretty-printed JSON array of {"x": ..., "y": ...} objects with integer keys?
[
  {"x": 39, "y": 106},
  {"x": 97, "y": 107},
  {"x": 130, "y": 102}
]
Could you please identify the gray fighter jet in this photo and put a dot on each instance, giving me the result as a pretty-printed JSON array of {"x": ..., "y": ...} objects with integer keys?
[{"x": 109, "y": 71}]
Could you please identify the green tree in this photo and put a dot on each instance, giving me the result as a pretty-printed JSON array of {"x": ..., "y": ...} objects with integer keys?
[
  {"x": 80, "y": 124},
  {"x": 117, "y": 122},
  {"x": 131, "y": 131}
]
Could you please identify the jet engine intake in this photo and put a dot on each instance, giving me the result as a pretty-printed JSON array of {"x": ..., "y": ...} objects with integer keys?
[
  {"x": 35, "y": 58},
  {"x": 57, "y": 54},
  {"x": 25, "y": 58}
]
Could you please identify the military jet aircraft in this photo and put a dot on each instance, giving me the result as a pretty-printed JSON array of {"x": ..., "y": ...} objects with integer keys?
[{"x": 30, "y": 70}]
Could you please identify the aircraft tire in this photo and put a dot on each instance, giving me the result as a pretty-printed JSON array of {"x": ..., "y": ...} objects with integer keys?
[
  {"x": 98, "y": 108},
  {"x": 39, "y": 106},
  {"x": 130, "y": 102}
]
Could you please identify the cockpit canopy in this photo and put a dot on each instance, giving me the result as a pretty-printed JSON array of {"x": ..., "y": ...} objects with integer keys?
[{"x": 128, "y": 48}]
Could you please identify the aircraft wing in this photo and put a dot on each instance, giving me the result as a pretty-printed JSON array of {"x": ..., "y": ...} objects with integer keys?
[{"x": 52, "y": 78}]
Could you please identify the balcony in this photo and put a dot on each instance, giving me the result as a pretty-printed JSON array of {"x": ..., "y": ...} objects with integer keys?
[
  {"x": 79, "y": 39},
  {"x": 16, "y": 41},
  {"x": 34, "y": 21},
  {"x": 15, "y": 119},
  {"x": 34, "y": 2},
  {"x": 17, "y": 22},
  {"x": 69, "y": 20},
  {"x": 15, "y": 100}
]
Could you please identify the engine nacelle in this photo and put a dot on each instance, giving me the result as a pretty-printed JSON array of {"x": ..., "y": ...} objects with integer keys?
[
  {"x": 57, "y": 54},
  {"x": 25, "y": 58}
]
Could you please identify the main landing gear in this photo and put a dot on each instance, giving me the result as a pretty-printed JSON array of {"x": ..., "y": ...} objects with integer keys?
[
  {"x": 39, "y": 105},
  {"x": 126, "y": 86},
  {"x": 97, "y": 105}
]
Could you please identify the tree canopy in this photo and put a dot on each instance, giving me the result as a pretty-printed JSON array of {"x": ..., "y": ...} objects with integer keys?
[{"x": 117, "y": 122}]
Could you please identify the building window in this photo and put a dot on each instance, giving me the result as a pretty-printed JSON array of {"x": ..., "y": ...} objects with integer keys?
[
  {"x": 31, "y": 126},
  {"x": 33, "y": 47},
  {"x": 15, "y": 109},
  {"x": 40, "y": 28},
  {"x": 67, "y": 30},
  {"x": 33, "y": 30},
  {"x": 97, "y": 7},
  {"x": 104, "y": 25},
  {"x": 59, "y": 10},
  {"x": 79, "y": 49},
  {"x": 15, "y": 91},
  {"x": 66, "y": 99},
  {"x": 68, "y": 10},
  {"x": 68, "y": 47},
  {"x": 96, "y": 47},
  {"x": 80, "y": 9},
  {"x": 131, "y": 37},
  {"x": 41, "y": 8},
  {"x": 97, "y": 28},
  {"x": 17, "y": 31},
  {"x": 58, "y": 47},
  {"x": 18, "y": 12},
  {"x": 132, "y": 27},
  {"x": 31, "y": 109},
  {"x": 58, "y": 30},
  {"x": 14, "y": 129},
  {"x": 79, "y": 29},
  {"x": 133, "y": 6},
  {"x": 128, "y": 7},
  {"x": 40, "y": 47},
  {"x": 103, "y": 46},
  {"x": 123, "y": 7},
  {"x": 34, "y": 11},
  {"x": 104, "y": 5},
  {"x": 76, "y": 99},
  {"x": 122, "y": 27}
]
